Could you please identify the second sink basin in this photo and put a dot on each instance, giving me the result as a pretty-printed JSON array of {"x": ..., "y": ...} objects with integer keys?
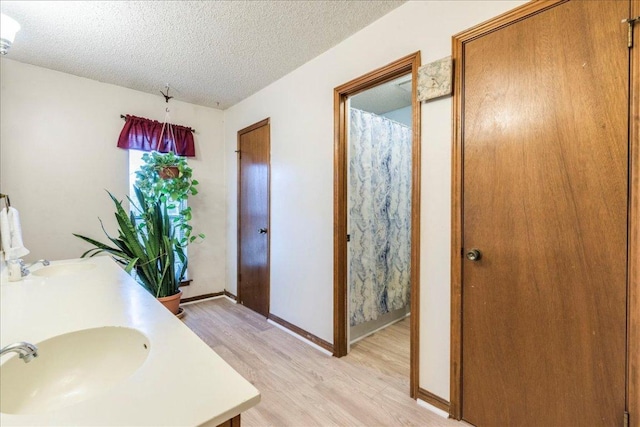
[
  {"x": 56, "y": 270},
  {"x": 71, "y": 368}
]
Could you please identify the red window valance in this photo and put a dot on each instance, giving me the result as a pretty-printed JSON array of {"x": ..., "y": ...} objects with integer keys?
[{"x": 143, "y": 134}]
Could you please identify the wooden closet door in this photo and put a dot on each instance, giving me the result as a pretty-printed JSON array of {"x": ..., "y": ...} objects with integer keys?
[
  {"x": 253, "y": 217},
  {"x": 545, "y": 184}
]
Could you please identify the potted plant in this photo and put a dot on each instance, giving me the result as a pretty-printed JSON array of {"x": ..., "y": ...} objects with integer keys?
[
  {"x": 150, "y": 240},
  {"x": 162, "y": 165},
  {"x": 146, "y": 247},
  {"x": 168, "y": 178}
]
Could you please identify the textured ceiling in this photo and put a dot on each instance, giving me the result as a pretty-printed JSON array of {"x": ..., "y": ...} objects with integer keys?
[{"x": 213, "y": 53}]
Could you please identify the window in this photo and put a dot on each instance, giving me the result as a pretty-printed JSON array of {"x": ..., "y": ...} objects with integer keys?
[{"x": 135, "y": 162}]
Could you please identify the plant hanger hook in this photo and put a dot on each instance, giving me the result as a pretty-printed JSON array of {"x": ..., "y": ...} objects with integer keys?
[{"x": 166, "y": 95}]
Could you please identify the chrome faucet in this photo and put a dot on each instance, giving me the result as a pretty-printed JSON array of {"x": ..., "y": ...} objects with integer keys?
[
  {"x": 25, "y": 350},
  {"x": 24, "y": 268}
]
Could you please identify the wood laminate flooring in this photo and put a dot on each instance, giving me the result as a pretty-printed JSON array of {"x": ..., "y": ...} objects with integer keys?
[{"x": 302, "y": 386}]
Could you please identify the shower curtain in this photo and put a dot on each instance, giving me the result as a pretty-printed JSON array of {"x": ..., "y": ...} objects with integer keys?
[{"x": 379, "y": 215}]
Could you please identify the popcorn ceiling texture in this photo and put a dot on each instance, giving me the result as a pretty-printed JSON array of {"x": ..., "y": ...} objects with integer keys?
[{"x": 209, "y": 51}]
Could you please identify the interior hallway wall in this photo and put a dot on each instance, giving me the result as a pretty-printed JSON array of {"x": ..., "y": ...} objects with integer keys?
[
  {"x": 300, "y": 106},
  {"x": 58, "y": 155}
]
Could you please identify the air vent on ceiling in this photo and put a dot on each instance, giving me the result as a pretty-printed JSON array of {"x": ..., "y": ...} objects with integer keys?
[{"x": 405, "y": 85}]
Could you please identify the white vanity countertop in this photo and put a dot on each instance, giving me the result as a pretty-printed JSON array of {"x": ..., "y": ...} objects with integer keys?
[{"x": 183, "y": 382}]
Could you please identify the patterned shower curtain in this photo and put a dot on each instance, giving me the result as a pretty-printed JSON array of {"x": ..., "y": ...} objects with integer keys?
[{"x": 379, "y": 215}]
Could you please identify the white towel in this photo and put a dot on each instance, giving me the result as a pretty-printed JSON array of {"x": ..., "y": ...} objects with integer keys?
[{"x": 11, "y": 234}]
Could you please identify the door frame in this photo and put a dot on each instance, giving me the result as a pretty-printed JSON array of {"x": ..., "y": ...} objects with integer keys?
[
  {"x": 403, "y": 66},
  {"x": 633, "y": 267},
  {"x": 266, "y": 122}
]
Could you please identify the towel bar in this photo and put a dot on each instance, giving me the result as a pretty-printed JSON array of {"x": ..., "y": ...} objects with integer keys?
[{"x": 6, "y": 199}]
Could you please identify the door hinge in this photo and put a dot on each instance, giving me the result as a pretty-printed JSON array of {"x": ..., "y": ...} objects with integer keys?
[
  {"x": 626, "y": 419},
  {"x": 630, "y": 22},
  {"x": 348, "y": 237}
]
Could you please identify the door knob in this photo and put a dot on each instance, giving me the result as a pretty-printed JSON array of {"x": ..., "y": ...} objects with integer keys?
[
  {"x": 474, "y": 255},
  {"x": 262, "y": 231}
]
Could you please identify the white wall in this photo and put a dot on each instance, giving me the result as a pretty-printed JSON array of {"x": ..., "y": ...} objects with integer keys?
[
  {"x": 301, "y": 109},
  {"x": 401, "y": 115},
  {"x": 58, "y": 154}
]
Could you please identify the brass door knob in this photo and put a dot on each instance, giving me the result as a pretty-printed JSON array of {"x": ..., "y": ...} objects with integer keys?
[{"x": 474, "y": 255}]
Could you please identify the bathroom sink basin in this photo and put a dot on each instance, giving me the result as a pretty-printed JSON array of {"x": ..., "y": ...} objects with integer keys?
[
  {"x": 63, "y": 269},
  {"x": 71, "y": 368}
]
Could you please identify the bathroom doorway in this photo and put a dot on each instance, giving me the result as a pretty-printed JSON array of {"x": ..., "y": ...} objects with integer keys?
[
  {"x": 379, "y": 207},
  {"x": 376, "y": 207}
]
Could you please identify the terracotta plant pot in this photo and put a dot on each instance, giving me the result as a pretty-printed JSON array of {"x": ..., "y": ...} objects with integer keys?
[
  {"x": 168, "y": 172},
  {"x": 172, "y": 302}
]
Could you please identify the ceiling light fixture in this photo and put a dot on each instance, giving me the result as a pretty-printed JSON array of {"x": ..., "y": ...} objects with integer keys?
[{"x": 8, "y": 29}]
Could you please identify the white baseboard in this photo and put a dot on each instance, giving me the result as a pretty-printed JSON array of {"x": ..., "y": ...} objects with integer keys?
[{"x": 437, "y": 411}]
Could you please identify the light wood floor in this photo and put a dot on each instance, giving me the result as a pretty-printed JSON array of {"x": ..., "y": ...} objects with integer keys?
[{"x": 302, "y": 386}]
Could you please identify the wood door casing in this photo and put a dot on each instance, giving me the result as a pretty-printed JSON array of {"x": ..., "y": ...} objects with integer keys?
[
  {"x": 545, "y": 186},
  {"x": 253, "y": 217},
  {"x": 633, "y": 310},
  {"x": 409, "y": 63}
]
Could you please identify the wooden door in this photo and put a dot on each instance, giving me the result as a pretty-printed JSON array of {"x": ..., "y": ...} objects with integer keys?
[
  {"x": 253, "y": 217},
  {"x": 544, "y": 200}
]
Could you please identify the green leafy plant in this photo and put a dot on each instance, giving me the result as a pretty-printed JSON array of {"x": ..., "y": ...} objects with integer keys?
[
  {"x": 146, "y": 244},
  {"x": 172, "y": 190}
]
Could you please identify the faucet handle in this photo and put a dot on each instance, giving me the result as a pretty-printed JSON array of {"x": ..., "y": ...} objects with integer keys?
[{"x": 24, "y": 271}]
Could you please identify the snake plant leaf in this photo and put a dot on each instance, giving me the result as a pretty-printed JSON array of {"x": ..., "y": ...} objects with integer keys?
[
  {"x": 145, "y": 244},
  {"x": 130, "y": 266}
]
